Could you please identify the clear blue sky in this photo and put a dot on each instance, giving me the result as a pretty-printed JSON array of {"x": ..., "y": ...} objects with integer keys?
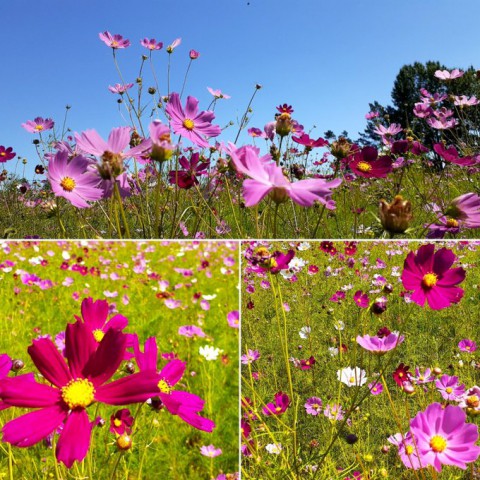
[{"x": 328, "y": 59}]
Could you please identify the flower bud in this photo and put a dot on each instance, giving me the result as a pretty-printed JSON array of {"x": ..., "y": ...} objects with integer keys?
[
  {"x": 284, "y": 124},
  {"x": 124, "y": 442},
  {"x": 194, "y": 54},
  {"x": 17, "y": 365},
  {"x": 340, "y": 148},
  {"x": 396, "y": 216}
]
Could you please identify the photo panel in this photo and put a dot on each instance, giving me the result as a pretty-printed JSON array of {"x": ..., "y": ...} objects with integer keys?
[
  {"x": 119, "y": 359},
  {"x": 360, "y": 360}
]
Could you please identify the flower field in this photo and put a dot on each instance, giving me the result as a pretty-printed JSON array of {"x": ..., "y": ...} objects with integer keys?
[
  {"x": 360, "y": 360},
  {"x": 170, "y": 171},
  {"x": 119, "y": 360}
]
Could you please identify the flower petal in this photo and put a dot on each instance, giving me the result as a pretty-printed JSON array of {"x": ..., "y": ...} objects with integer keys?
[{"x": 79, "y": 347}]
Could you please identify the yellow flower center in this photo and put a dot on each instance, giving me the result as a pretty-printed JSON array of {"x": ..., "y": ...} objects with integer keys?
[
  {"x": 98, "y": 335},
  {"x": 364, "y": 167},
  {"x": 188, "y": 124},
  {"x": 449, "y": 389},
  {"x": 3, "y": 154},
  {"x": 38, "y": 128},
  {"x": 278, "y": 409},
  {"x": 430, "y": 280},
  {"x": 78, "y": 393},
  {"x": 452, "y": 223},
  {"x": 315, "y": 406},
  {"x": 473, "y": 401},
  {"x": 164, "y": 387},
  {"x": 352, "y": 380},
  {"x": 68, "y": 184},
  {"x": 409, "y": 449},
  {"x": 438, "y": 443},
  {"x": 117, "y": 422},
  {"x": 114, "y": 43}
]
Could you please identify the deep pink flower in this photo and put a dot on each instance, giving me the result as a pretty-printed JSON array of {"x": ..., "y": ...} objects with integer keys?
[
  {"x": 189, "y": 123},
  {"x": 380, "y": 345},
  {"x": 193, "y": 54},
  {"x": 95, "y": 315},
  {"x": 280, "y": 405},
  {"x": 121, "y": 422},
  {"x": 151, "y": 44},
  {"x": 376, "y": 388},
  {"x": 310, "y": 142},
  {"x": 114, "y": 41},
  {"x": 467, "y": 345},
  {"x": 6, "y": 154},
  {"x": 430, "y": 277},
  {"x": 366, "y": 164},
  {"x": 38, "y": 125},
  {"x": 188, "y": 178},
  {"x": 184, "y": 404},
  {"x": 361, "y": 299},
  {"x": 233, "y": 319},
  {"x": 268, "y": 178},
  {"x": 442, "y": 437},
  {"x": 73, "y": 180},
  {"x": 308, "y": 363},
  {"x": 451, "y": 155},
  {"x": 76, "y": 385},
  {"x": 285, "y": 108}
]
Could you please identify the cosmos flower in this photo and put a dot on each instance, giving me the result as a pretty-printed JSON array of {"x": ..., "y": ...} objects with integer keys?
[
  {"x": 187, "y": 178},
  {"x": 191, "y": 331},
  {"x": 429, "y": 275},
  {"x": 250, "y": 356},
  {"x": 174, "y": 45},
  {"x": 114, "y": 41},
  {"x": 151, "y": 44},
  {"x": 466, "y": 210},
  {"x": 470, "y": 400},
  {"x": 233, "y": 319},
  {"x": 451, "y": 155},
  {"x": 38, "y": 125},
  {"x": 309, "y": 142},
  {"x": 120, "y": 88},
  {"x": 443, "y": 438},
  {"x": 75, "y": 386},
  {"x": 72, "y": 179},
  {"x": 380, "y": 345},
  {"x": 189, "y": 122},
  {"x": 209, "y": 353},
  {"x": 121, "y": 422},
  {"x": 361, "y": 299},
  {"x": 268, "y": 178},
  {"x": 218, "y": 93},
  {"x": 446, "y": 75},
  {"x": 449, "y": 387},
  {"x": 6, "y": 154},
  {"x": 210, "y": 451},
  {"x": 313, "y": 406},
  {"x": 280, "y": 405},
  {"x": 467, "y": 345},
  {"x": 366, "y": 164},
  {"x": 307, "y": 364},
  {"x": 352, "y": 377},
  {"x": 401, "y": 375},
  {"x": 376, "y": 388},
  {"x": 274, "y": 448}
]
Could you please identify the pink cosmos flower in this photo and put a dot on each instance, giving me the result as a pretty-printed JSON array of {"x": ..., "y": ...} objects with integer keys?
[
  {"x": 422, "y": 110},
  {"x": 305, "y": 140},
  {"x": 151, "y": 44},
  {"x": 162, "y": 148},
  {"x": 451, "y": 155},
  {"x": 429, "y": 275},
  {"x": 218, "y": 93},
  {"x": 75, "y": 386},
  {"x": 449, "y": 387},
  {"x": 184, "y": 404},
  {"x": 313, "y": 406},
  {"x": 376, "y": 388},
  {"x": 121, "y": 422},
  {"x": 471, "y": 400},
  {"x": 380, "y": 345},
  {"x": 371, "y": 115},
  {"x": 188, "y": 178},
  {"x": 189, "y": 123},
  {"x": 38, "y": 125},
  {"x": 119, "y": 88},
  {"x": 191, "y": 331},
  {"x": 268, "y": 178},
  {"x": 361, "y": 299},
  {"x": 366, "y": 164},
  {"x": 94, "y": 316},
  {"x": 193, "y": 54},
  {"x": 467, "y": 345},
  {"x": 442, "y": 123},
  {"x": 464, "y": 101},
  {"x": 72, "y": 179},
  {"x": 280, "y": 405},
  {"x": 210, "y": 451},
  {"x": 233, "y": 319},
  {"x": 389, "y": 131},
  {"x": 114, "y": 41},
  {"x": 466, "y": 209},
  {"x": 446, "y": 75},
  {"x": 308, "y": 363},
  {"x": 6, "y": 154},
  {"x": 174, "y": 45},
  {"x": 442, "y": 437},
  {"x": 250, "y": 357}
]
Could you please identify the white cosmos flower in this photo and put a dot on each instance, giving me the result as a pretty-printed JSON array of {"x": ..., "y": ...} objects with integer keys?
[
  {"x": 352, "y": 377},
  {"x": 305, "y": 332},
  {"x": 209, "y": 352},
  {"x": 275, "y": 448}
]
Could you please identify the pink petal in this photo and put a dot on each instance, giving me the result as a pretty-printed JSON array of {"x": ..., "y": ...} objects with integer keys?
[
  {"x": 118, "y": 139},
  {"x": 79, "y": 347},
  {"x": 14, "y": 393},
  {"x": 173, "y": 371}
]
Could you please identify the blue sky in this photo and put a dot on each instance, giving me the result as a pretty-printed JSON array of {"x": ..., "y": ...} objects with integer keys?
[{"x": 327, "y": 59}]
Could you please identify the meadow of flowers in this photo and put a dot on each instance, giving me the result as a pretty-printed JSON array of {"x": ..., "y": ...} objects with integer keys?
[
  {"x": 119, "y": 360},
  {"x": 360, "y": 360},
  {"x": 169, "y": 171}
]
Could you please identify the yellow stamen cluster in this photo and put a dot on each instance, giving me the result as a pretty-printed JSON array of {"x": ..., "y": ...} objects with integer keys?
[
  {"x": 78, "y": 393},
  {"x": 452, "y": 223},
  {"x": 98, "y": 335},
  {"x": 364, "y": 167},
  {"x": 38, "y": 128},
  {"x": 68, "y": 184},
  {"x": 473, "y": 401},
  {"x": 164, "y": 387},
  {"x": 438, "y": 444},
  {"x": 188, "y": 124},
  {"x": 430, "y": 280}
]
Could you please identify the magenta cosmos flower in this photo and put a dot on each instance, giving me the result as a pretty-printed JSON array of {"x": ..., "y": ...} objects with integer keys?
[
  {"x": 95, "y": 315},
  {"x": 467, "y": 345},
  {"x": 121, "y": 422},
  {"x": 442, "y": 437},
  {"x": 72, "y": 179},
  {"x": 151, "y": 44},
  {"x": 38, "y": 125},
  {"x": 6, "y": 154},
  {"x": 114, "y": 41},
  {"x": 380, "y": 345},
  {"x": 366, "y": 164},
  {"x": 429, "y": 275},
  {"x": 268, "y": 178},
  {"x": 280, "y": 405},
  {"x": 184, "y": 404},
  {"x": 449, "y": 388},
  {"x": 75, "y": 386},
  {"x": 187, "y": 178},
  {"x": 189, "y": 123}
]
